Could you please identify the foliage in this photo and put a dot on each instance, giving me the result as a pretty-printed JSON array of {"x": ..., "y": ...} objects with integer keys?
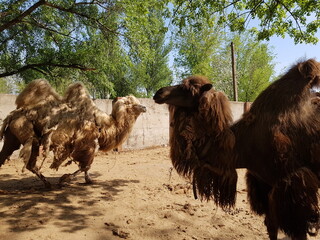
[
  {"x": 299, "y": 19},
  {"x": 66, "y": 41},
  {"x": 206, "y": 52},
  {"x": 255, "y": 67},
  {"x": 196, "y": 48},
  {"x": 148, "y": 50},
  {"x": 4, "y": 86},
  {"x": 53, "y": 39},
  {"x": 122, "y": 47}
]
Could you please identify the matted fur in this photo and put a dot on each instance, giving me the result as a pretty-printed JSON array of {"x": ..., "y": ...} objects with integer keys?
[
  {"x": 69, "y": 126},
  {"x": 277, "y": 140},
  {"x": 295, "y": 202},
  {"x": 194, "y": 134}
]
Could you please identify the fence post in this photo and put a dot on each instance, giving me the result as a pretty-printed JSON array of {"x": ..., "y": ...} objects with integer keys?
[{"x": 234, "y": 79}]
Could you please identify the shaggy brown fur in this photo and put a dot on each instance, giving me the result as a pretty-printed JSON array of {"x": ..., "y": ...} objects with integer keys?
[
  {"x": 69, "y": 127},
  {"x": 193, "y": 135},
  {"x": 277, "y": 141}
]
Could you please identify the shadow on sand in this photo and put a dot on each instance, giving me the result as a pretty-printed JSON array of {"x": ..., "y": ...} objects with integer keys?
[{"x": 26, "y": 205}]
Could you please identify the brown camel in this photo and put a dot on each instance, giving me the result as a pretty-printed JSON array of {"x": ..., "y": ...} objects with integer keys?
[
  {"x": 277, "y": 141},
  {"x": 68, "y": 126}
]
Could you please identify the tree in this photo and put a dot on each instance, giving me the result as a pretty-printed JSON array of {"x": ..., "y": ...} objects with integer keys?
[
  {"x": 255, "y": 67},
  {"x": 196, "y": 48},
  {"x": 42, "y": 35},
  {"x": 299, "y": 19},
  {"x": 206, "y": 52},
  {"x": 65, "y": 41},
  {"x": 6, "y": 85},
  {"x": 84, "y": 40},
  {"x": 148, "y": 50},
  {"x": 62, "y": 41}
]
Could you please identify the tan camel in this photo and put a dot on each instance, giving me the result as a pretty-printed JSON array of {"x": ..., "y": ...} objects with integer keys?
[{"x": 68, "y": 126}]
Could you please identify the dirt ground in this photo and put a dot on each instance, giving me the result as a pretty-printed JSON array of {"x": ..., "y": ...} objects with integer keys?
[{"x": 136, "y": 195}]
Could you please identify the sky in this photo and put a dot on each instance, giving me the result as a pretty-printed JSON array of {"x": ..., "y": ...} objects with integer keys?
[{"x": 287, "y": 53}]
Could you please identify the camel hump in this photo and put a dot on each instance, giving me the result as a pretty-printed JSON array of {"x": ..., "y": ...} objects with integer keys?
[
  {"x": 77, "y": 95},
  {"x": 36, "y": 92}
]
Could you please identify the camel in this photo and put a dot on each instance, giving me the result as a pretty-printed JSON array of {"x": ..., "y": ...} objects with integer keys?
[
  {"x": 277, "y": 141},
  {"x": 69, "y": 126}
]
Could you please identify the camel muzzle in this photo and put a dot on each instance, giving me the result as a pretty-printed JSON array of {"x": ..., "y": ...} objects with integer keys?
[
  {"x": 143, "y": 108},
  {"x": 313, "y": 225},
  {"x": 140, "y": 108}
]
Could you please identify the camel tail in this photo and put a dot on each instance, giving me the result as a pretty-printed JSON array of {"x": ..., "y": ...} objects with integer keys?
[
  {"x": 4, "y": 126},
  {"x": 294, "y": 202}
]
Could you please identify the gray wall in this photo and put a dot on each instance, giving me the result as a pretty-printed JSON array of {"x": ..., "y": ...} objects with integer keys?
[{"x": 151, "y": 128}]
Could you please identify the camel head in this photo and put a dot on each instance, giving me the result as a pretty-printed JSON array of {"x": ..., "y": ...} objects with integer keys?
[
  {"x": 127, "y": 106},
  {"x": 310, "y": 72},
  {"x": 186, "y": 94},
  {"x": 116, "y": 129}
]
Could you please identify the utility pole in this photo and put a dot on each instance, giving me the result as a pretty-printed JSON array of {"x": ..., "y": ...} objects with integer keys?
[{"x": 234, "y": 79}]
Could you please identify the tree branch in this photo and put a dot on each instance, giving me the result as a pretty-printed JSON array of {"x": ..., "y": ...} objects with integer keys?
[
  {"x": 47, "y": 28},
  {"x": 292, "y": 15},
  {"x": 22, "y": 16},
  {"x": 73, "y": 11},
  {"x": 37, "y": 65},
  {"x": 253, "y": 11},
  {"x": 26, "y": 13}
]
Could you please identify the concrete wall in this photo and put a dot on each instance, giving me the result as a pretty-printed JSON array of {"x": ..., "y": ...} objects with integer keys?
[
  {"x": 151, "y": 128},
  {"x": 6, "y": 104}
]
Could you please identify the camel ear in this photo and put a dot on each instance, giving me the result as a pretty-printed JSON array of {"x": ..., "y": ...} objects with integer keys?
[
  {"x": 309, "y": 69},
  {"x": 205, "y": 88}
]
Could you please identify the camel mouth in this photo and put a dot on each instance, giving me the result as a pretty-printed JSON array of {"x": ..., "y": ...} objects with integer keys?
[
  {"x": 141, "y": 108},
  {"x": 316, "y": 82},
  {"x": 162, "y": 95},
  {"x": 159, "y": 99}
]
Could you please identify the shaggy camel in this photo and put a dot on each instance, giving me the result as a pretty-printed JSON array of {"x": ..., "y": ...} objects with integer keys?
[
  {"x": 277, "y": 141},
  {"x": 69, "y": 127}
]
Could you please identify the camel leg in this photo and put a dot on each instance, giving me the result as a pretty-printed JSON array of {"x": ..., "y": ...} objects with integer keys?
[
  {"x": 11, "y": 144},
  {"x": 85, "y": 159},
  {"x": 70, "y": 177},
  {"x": 31, "y": 164},
  {"x": 261, "y": 203},
  {"x": 272, "y": 227},
  {"x": 87, "y": 177}
]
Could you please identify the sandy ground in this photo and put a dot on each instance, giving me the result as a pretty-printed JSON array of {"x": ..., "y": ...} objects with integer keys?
[{"x": 136, "y": 195}]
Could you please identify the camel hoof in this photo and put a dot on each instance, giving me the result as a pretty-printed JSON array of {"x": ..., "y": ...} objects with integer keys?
[
  {"x": 66, "y": 178},
  {"x": 89, "y": 181}
]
